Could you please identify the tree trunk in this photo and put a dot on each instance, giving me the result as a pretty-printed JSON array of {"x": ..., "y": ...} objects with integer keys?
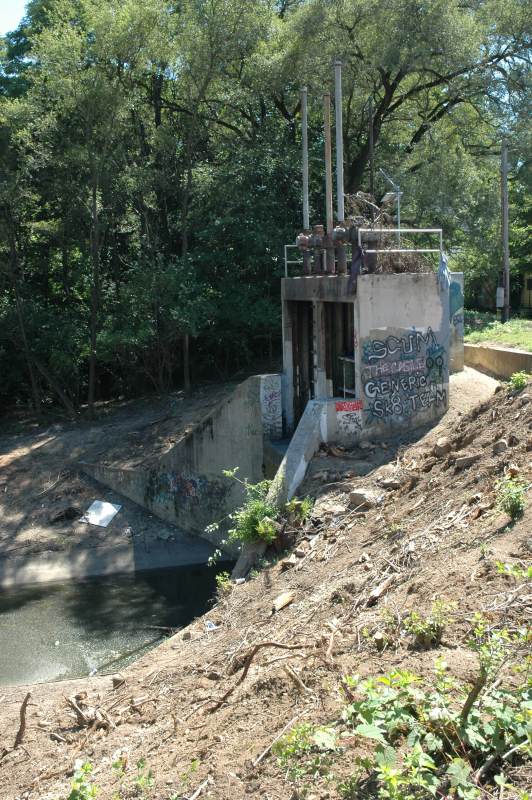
[
  {"x": 95, "y": 291},
  {"x": 187, "y": 383},
  {"x": 186, "y": 364},
  {"x": 69, "y": 408},
  {"x": 13, "y": 269}
]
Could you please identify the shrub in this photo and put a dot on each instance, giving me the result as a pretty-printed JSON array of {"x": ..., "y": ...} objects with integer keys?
[
  {"x": 511, "y": 496},
  {"x": 519, "y": 380}
]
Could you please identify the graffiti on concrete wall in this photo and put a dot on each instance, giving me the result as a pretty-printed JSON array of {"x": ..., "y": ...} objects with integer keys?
[
  {"x": 349, "y": 417},
  {"x": 403, "y": 374},
  {"x": 183, "y": 491},
  {"x": 271, "y": 406},
  {"x": 456, "y": 308}
]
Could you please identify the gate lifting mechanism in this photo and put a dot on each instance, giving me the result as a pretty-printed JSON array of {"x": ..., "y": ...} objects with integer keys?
[{"x": 324, "y": 250}]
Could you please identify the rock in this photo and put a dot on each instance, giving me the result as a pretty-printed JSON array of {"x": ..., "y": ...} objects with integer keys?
[
  {"x": 442, "y": 447},
  {"x": 288, "y": 563},
  {"x": 282, "y": 600},
  {"x": 465, "y": 461},
  {"x": 500, "y": 446},
  {"x": 529, "y": 445},
  {"x": 524, "y": 399},
  {"x": 363, "y": 499},
  {"x": 390, "y": 483},
  {"x": 513, "y": 440},
  {"x": 187, "y": 635}
]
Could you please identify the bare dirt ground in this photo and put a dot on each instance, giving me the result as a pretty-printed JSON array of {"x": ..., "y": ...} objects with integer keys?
[
  {"x": 40, "y": 477},
  {"x": 203, "y": 709}
]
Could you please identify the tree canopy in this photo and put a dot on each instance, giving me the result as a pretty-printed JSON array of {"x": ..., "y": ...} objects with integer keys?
[{"x": 150, "y": 169}]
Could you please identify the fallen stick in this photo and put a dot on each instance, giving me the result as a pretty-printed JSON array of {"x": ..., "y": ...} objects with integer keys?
[
  {"x": 248, "y": 661},
  {"x": 267, "y": 750},
  {"x": 199, "y": 790},
  {"x": 294, "y": 677},
  {"x": 22, "y": 727}
]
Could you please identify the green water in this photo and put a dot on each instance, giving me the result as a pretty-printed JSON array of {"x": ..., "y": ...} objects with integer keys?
[{"x": 65, "y": 630}]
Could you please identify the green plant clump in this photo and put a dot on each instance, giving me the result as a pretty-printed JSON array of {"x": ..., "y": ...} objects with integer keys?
[
  {"x": 511, "y": 496},
  {"x": 428, "y": 631},
  {"x": 431, "y": 736},
  {"x": 82, "y": 787},
  {"x": 519, "y": 380},
  {"x": 306, "y": 751},
  {"x": 256, "y": 517}
]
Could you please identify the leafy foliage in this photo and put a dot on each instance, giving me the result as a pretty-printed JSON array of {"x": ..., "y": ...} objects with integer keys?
[{"x": 511, "y": 496}]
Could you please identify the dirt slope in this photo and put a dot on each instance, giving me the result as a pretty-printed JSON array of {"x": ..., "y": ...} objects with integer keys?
[{"x": 434, "y": 532}]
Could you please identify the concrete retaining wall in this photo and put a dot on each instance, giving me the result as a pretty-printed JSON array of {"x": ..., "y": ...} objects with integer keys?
[
  {"x": 186, "y": 485},
  {"x": 501, "y": 362}
]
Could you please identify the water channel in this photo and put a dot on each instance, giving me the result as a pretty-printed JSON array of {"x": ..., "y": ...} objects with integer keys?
[{"x": 64, "y": 630}]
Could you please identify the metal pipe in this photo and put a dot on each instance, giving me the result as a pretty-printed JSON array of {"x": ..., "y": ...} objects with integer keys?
[
  {"x": 304, "y": 157},
  {"x": 339, "y": 140},
  {"x": 304, "y": 162},
  {"x": 371, "y": 152},
  {"x": 340, "y": 249},
  {"x": 329, "y": 249}
]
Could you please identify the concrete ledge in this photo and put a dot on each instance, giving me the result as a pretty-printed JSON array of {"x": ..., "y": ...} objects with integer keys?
[
  {"x": 115, "y": 557},
  {"x": 501, "y": 362}
]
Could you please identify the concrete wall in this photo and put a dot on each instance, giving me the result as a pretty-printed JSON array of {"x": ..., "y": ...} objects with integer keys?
[
  {"x": 501, "y": 362},
  {"x": 186, "y": 485},
  {"x": 402, "y": 352},
  {"x": 456, "y": 318}
]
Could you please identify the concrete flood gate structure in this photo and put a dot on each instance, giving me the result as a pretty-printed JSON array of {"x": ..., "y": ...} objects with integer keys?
[{"x": 377, "y": 351}]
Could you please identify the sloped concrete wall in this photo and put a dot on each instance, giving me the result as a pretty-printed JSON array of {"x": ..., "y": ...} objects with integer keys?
[{"x": 186, "y": 485}]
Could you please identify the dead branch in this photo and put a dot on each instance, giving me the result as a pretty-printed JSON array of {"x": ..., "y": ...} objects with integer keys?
[
  {"x": 281, "y": 733},
  {"x": 296, "y": 680},
  {"x": 249, "y": 659},
  {"x": 22, "y": 728}
]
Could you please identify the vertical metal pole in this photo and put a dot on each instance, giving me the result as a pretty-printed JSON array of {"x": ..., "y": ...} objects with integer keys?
[
  {"x": 342, "y": 260},
  {"x": 329, "y": 249},
  {"x": 399, "y": 216},
  {"x": 304, "y": 161},
  {"x": 505, "y": 242},
  {"x": 304, "y": 154},
  {"x": 339, "y": 139},
  {"x": 371, "y": 154}
]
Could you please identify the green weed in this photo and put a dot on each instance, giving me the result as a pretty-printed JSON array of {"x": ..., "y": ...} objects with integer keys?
[
  {"x": 428, "y": 631},
  {"x": 519, "y": 380},
  {"x": 511, "y": 496},
  {"x": 82, "y": 787},
  {"x": 306, "y": 751}
]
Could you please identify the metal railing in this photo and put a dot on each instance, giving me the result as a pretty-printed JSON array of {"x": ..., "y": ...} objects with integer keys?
[{"x": 361, "y": 231}]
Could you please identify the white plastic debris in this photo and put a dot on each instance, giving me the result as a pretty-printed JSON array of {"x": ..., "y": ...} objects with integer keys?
[{"x": 100, "y": 513}]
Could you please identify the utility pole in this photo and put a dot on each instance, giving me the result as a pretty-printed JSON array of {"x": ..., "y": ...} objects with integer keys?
[{"x": 505, "y": 241}]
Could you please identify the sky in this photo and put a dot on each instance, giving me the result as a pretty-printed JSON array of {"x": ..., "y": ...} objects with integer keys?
[{"x": 11, "y": 12}]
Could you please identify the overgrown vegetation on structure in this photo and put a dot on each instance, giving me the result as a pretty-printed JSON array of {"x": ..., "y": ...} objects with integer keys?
[{"x": 258, "y": 518}]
